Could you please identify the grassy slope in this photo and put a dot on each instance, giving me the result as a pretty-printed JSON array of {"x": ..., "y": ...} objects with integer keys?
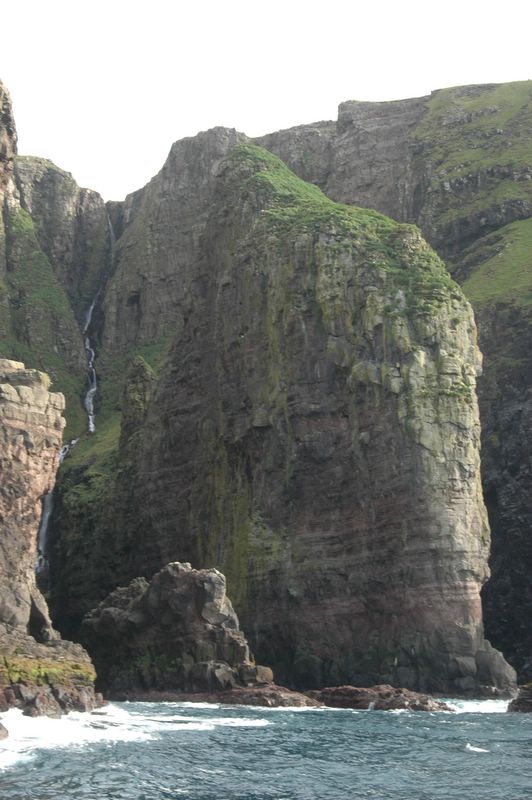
[
  {"x": 504, "y": 269},
  {"x": 477, "y": 143}
]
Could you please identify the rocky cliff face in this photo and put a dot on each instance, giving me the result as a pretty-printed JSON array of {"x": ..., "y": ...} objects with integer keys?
[
  {"x": 158, "y": 252},
  {"x": 37, "y": 323},
  {"x": 32, "y": 428},
  {"x": 31, "y": 651},
  {"x": 72, "y": 227},
  {"x": 315, "y": 435},
  {"x": 300, "y": 409},
  {"x": 8, "y": 137},
  {"x": 459, "y": 164}
]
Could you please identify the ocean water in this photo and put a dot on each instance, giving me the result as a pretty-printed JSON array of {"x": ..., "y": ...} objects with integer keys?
[{"x": 161, "y": 751}]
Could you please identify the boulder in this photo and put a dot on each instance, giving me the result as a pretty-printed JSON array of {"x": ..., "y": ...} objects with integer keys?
[{"x": 179, "y": 632}]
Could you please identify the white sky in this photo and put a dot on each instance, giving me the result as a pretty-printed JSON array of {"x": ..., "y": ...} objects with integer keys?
[{"x": 104, "y": 88}]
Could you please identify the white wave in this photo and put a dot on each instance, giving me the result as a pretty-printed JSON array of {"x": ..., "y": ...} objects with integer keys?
[
  {"x": 172, "y": 703},
  {"x": 474, "y": 749},
  {"x": 477, "y": 706},
  {"x": 242, "y": 723},
  {"x": 111, "y": 724},
  {"x": 27, "y": 734}
]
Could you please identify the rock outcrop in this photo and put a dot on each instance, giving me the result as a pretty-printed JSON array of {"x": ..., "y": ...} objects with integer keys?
[
  {"x": 459, "y": 164},
  {"x": 38, "y": 671},
  {"x": 377, "y": 698},
  {"x": 179, "y": 632}
]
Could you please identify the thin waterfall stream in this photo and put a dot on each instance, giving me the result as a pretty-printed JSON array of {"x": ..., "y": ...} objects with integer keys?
[
  {"x": 47, "y": 500},
  {"x": 91, "y": 372},
  {"x": 42, "y": 567}
]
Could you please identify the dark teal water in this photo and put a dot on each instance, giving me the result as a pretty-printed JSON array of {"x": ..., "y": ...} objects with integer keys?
[{"x": 149, "y": 751}]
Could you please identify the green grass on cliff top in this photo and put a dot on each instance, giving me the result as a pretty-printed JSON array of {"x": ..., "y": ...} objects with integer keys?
[
  {"x": 290, "y": 201},
  {"x": 290, "y": 204},
  {"x": 505, "y": 274},
  {"x": 476, "y": 127}
]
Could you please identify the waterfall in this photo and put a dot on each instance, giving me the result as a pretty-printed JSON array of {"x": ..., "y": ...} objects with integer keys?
[
  {"x": 92, "y": 380},
  {"x": 47, "y": 500},
  {"x": 91, "y": 372},
  {"x": 41, "y": 567},
  {"x": 112, "y": 237}
]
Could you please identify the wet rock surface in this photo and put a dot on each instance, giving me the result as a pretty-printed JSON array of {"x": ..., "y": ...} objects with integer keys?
[{"x": 523, "y": 702}]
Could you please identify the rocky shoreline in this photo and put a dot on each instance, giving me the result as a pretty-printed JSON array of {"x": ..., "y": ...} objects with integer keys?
[{"x": 375, "y": 698}]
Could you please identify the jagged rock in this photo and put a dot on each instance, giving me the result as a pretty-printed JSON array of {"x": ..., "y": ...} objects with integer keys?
[
  {"x": 4, "y": 733},
  {"x": 523, "y": 702},
  {"x": 177, "y": 632},
  {"x": 377, "y": 698}
]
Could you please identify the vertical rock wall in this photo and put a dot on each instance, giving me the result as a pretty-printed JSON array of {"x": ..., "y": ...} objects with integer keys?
[{"x": 315, "y": 435}]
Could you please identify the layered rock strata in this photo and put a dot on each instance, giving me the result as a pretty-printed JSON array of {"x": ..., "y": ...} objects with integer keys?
[
  {"x": 184, "y": 262},
  {"x": 315, "y": 435},
  {"x": 178, "y": 632},
  {"x": 458, "y": 163},
  {"x": 38, "y": 671}
]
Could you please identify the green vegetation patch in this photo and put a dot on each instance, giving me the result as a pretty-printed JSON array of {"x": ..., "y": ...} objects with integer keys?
[
  {"x": 21, "y": 669},
  {"x": 291, "y": 202},
  {"x": 506, "y": 273},
  {"x": 473, "y": 127},
  {"x": 290, "y": 205}
]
